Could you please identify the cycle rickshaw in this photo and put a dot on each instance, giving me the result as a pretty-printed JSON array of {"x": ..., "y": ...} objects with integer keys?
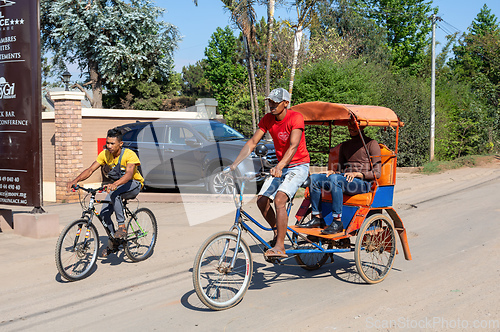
[{"x": 223, "y": 266}]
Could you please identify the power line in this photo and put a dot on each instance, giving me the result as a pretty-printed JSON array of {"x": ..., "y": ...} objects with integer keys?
[{"x": 451, "y": 26}]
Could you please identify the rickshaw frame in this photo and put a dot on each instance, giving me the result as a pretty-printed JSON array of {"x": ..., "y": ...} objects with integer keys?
[
  {"x": 331, "y": 114},
  {"x": 223, "y": 266}
]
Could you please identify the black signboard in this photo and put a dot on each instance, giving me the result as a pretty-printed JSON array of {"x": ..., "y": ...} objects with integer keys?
[{"x": 20, "y": 103}]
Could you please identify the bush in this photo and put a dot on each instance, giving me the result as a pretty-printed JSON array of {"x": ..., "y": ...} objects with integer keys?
[{"x": 363, "y": 83}]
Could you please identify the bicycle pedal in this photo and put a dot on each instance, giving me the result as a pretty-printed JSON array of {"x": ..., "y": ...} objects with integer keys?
[{"x": 274, "y": 260}]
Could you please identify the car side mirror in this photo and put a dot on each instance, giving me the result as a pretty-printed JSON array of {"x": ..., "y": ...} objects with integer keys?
[
  {"x": 260, "y": 150},
  {"x": 192, "y": 142}
]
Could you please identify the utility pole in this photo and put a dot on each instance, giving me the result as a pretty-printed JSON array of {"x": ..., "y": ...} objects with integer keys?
[
  {"x": 434, "y": 19},
  {"x": 433, "y": 87}
]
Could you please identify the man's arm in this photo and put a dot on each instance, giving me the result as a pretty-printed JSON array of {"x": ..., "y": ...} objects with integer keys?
[
  {"x": 295, "y": 137},
  {"x": 83, "y": 175},
  {"x": 374, "y": 150},
  {"x": 247, "y": 148}
]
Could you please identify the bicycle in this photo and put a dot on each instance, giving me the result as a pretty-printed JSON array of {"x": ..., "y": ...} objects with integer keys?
[
  {"x": 223, "y": 266},
  {"x": 78, "y": 243}
]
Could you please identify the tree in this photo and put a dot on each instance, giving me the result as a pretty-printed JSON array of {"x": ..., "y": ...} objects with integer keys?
[
  {"x": 305, "y": 15},
  {"x": 113, "y": 42},
  {"x": 407, "y": 27},
  {"x": 243, "y": 15},
  {"x": 363, "y": 35},
  {"x": 485, "y": 22},
  {"x": 194, "y": 81},
  {"x": 270, "y": 25},
  {"x": 144, "y": 94},
  {"x": 225, "y": 74},
  {"x": 477, "y": 57}
]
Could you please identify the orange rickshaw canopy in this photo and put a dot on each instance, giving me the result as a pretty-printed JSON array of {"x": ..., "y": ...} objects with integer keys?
[{"x": 323, "y": 113}]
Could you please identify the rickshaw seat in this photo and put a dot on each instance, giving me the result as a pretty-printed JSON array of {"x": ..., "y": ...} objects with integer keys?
[{"x": 387, "y": 178}]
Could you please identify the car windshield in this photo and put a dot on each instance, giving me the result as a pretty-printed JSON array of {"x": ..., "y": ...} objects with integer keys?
[{"x": 217, "y": 131}]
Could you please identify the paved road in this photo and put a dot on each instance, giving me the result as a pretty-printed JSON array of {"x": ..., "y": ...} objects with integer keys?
[{"x": 453, "y": 223}]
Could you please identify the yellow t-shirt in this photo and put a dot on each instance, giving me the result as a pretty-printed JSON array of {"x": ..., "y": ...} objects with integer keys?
[{"x": 129, "y": 157}]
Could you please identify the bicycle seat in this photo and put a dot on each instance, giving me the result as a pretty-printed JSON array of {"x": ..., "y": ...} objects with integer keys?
[{"x": 306, "y": 183}]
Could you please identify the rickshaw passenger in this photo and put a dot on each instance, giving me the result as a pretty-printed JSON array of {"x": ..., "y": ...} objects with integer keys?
[
  {"x": 354, "y": 176},
  {"x": 287, "y": 130}
]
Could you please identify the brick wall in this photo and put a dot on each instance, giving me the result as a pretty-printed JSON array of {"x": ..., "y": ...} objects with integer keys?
[{"x": 68, "y": 146}]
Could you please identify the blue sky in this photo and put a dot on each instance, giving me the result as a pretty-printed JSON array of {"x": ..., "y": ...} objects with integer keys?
[{"x": 197, "y": 23}]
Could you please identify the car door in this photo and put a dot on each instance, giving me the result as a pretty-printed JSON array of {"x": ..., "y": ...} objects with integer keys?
[
  {"x": 186, "y": 161},
  {"x": 150, "y": 145}
]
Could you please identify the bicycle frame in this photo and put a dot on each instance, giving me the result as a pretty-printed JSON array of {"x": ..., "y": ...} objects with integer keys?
[
  {"x": 90, "y": 212},
  {"x": 239, "y": 224}
]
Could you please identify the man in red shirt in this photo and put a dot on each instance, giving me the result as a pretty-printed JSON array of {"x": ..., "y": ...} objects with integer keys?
[{"x": 287, "y": 130}]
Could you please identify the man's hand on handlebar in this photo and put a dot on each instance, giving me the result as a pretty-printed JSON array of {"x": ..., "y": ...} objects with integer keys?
[
  {"x": 111, "y": 187},
  {"x": 276, "y": 172},
  {"x": 71, "y": 186}
]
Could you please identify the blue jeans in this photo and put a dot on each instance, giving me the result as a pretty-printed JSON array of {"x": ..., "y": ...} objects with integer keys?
[
  {"x": 337, "y": 184},
  {"x": 128, "y": 190}
]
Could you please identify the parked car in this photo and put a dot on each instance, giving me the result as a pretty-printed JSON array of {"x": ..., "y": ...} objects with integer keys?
[{"x": 189, "y": 153}]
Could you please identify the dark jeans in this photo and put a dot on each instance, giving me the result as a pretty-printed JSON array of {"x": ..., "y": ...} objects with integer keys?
[
  {"x": 337, "y": 184},
  {"x": 128, "y": 190}
]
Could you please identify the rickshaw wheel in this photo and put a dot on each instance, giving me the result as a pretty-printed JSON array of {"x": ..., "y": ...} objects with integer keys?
[
  {"x": 375, "y": 248},
  {"x": 311, "y": 261}
]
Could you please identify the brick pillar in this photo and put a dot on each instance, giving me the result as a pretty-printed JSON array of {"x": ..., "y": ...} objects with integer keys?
[{"x": 68, "y": 140}]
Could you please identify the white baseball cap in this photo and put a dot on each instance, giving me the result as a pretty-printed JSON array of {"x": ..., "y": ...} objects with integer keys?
[{"x": 278, "y": 95}]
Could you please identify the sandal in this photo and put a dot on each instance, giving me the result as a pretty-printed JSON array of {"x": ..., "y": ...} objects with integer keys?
[
  {"x": 121, "y": 233},
  {"x": 106, "y": 252},
  {"x": 275, "y": 253}
]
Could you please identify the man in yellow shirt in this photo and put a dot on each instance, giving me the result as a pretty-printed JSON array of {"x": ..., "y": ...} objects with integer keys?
[{"x": 127, "y": 181}]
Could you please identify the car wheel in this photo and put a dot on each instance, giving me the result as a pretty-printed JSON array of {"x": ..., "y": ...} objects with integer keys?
[{"x": 219, "y": 183}]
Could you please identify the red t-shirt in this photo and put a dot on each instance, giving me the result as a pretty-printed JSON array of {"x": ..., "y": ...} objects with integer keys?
[{"x": 280, "y": 132}]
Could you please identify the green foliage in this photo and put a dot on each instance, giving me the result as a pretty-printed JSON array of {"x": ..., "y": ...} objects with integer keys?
[
  {"x": 141, "y": 94},
  {"x": 364, "y": 36},
  {"x": 354, "y": 82},
  {"x": 239, "y": 115},
  {"x": 226, "y": 76},
  {"x": 475, "y": 126},
  {"x": 113, "y": 42},
  {"x": 409, "y": 97},
  {"x": 357, "y": 82},
  {"x": 463, "y": 124},
  {"x": 485, "y": 22},
  {"x": 477, "y": 59},
  {"x": 194, "y": 81},
  {"x": 407, "y": 27}
]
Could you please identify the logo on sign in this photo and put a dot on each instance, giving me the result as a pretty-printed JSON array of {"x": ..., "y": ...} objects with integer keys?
[{"x": 7, "y": 89}]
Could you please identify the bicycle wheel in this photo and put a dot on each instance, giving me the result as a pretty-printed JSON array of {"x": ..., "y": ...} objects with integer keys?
[
  {"x": 76, "y": 250},
  {"x": 310, "y": 261},
  {"x": 141, "y": 235},
  {"x": 375, "y": 248},
  {"x": 218, "y": 285}
]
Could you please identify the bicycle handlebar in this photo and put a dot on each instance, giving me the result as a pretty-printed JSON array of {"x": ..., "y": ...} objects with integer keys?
[
  {"x": 89, "y": 190},
  {"x": 247, "y": 176}
]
